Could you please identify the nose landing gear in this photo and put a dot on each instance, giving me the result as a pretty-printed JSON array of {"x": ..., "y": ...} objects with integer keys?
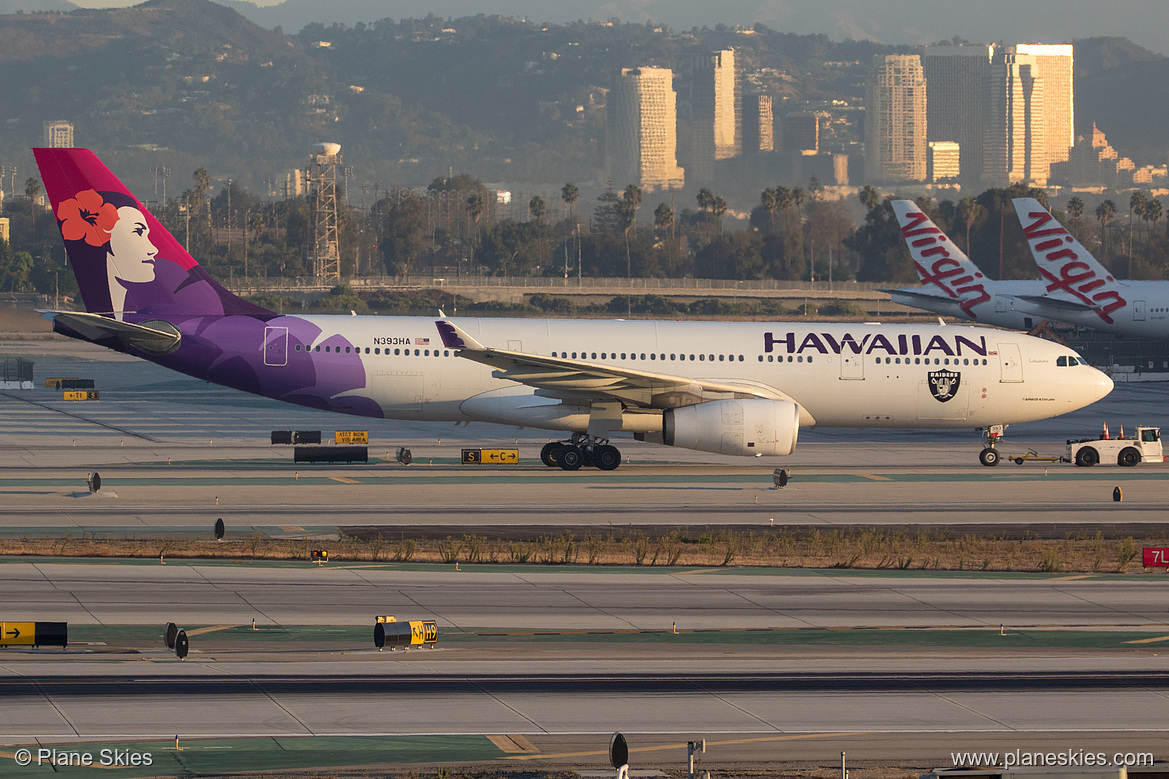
[
  {"x": 581, "y": 450},
  {"x": 989, "y": 456}
]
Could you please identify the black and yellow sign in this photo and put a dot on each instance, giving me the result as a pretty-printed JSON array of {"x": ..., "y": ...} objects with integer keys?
[
  {"x": 390, "y": 633},
  {"x": 491, "y": 456},
  {"x": 423, "y": 632},
  {"x": 351, "y": 437},
  {"x": 81, "y": 395},
  {"x": 55, "y": 382},
  {"x": 34, "y": 633}
]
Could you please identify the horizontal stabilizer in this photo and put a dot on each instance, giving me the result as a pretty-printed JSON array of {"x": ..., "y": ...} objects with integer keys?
[
  {"x": 1060, "y": 304},
  {"x": 153, "y": 337}
]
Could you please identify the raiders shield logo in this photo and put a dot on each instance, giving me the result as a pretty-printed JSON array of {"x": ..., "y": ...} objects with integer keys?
[{"x": 944, "y": 384}]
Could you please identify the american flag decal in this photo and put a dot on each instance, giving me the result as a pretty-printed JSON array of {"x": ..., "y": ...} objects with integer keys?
[{"x": 422, "y": 341}]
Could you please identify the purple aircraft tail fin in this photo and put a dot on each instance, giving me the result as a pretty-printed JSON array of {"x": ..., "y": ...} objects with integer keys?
[{"x": 127, "y": 265}]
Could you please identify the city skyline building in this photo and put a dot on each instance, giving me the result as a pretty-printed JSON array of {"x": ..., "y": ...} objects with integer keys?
[
  {"x": 58, "y": 134},
  {"x": 641, "y": 130},
  {"x": 1057, "y": 69},
  {"x": 758, "y": 124},
  {"x": 895, "y": 122},
  {"x": 943, "y": 161},
  {"x": 715, "y": 108},
  {"x": 800, "y": 131},
  {"x": 1015, "y": 148},
  {"x": 955, "y": 90}
]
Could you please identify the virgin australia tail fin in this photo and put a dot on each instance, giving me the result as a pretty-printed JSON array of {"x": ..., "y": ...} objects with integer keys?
[
  {"x": 127, "y": 265},
  {"x": 940, "y": 264},
  {"x": 1074, "y": 277}
]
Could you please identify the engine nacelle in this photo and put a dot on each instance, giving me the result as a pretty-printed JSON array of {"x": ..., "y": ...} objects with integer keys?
[{"x": 744, "y": 427}]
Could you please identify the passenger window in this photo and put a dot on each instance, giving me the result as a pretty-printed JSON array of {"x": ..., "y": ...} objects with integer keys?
[
  {"x": 800, "y": 358},
  {"x": 720, "y": 358},
  {"x": 770, "y": 357},
  {"x": 395, "y": 351},
  {"x": 672, "y": 356},
  {"x": 653, "y": 356},
  {"x": 347, "y": 350},
  {"x": 702, "y": 357},
  {"x": 643, "y": 356},
  {"x": 298, "y": 347},
  {"x": 622, "y": 355}
]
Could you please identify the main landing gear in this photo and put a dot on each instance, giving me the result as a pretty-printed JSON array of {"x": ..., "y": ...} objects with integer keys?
[
  {"x": 581, "y": 450},
  {"x": 989, "y": 456}
]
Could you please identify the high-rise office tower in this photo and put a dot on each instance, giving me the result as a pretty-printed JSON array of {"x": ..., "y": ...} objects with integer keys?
[
  {"x": 1014, "y": 147},
  {"x": 895, "y": 119},
  {"x": 1059, "y": 107},
  {"x": 801, "y": 132},
  {"x": 758, "y": 125},
  {"x": 714, "y": 113},
  {"x": 641, "y": 130},
  {"x": 955, "y": 88},
  {"x": 59, "y": 134}
]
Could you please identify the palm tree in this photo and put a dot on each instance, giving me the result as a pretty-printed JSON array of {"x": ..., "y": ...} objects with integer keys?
[
  {"x": 1153, "y": 212},
  {"x": 783, "y": 200},
  {"x": 626, "y": 209},
  {"x": 476, "y": 207},
  {"x": 663, "y": 221},
  {"x": 569, "y": 194},
  {"x": 1104, "y": 213},
  {"x": 1136, "y": 204},
  {"x": 1075, "y": 209},
  {"x": 718, "y": 207},
  {"x": 769, "y": 201},
  {"x": 536, "y": 208},
  {"x": 969, "y": 211},
  {"x": 870, "y": 197}
]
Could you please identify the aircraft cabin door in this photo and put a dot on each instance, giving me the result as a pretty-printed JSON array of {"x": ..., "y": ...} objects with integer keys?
[
  {"x": 276, "y": 346},
  {"x": 1011, "y": 363},
  {"x": 852, "y": 366},
  {"x": 1138, "y": 311}
]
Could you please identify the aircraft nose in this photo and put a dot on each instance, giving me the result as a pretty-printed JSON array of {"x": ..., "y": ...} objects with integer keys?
[{"x": 1104, "y": 385}]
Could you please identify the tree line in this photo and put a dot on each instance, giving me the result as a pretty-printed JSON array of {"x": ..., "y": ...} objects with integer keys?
[{"x": 456, "y": 227}]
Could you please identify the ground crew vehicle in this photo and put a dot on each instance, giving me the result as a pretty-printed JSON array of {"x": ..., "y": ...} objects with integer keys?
[{"x": 1145, "y": 446}]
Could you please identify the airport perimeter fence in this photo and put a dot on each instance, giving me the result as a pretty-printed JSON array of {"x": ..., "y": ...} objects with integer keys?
[{"x": 552, "y": 284}]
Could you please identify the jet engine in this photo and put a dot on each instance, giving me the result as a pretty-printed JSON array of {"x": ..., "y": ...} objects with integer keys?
[{"x": 744, "y": 427}]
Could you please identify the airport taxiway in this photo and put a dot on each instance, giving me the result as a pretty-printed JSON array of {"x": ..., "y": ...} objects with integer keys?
[{"x": 176, "y": 453}]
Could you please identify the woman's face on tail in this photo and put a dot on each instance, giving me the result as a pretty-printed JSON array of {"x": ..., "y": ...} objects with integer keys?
[{"x": 131, "y": 251}]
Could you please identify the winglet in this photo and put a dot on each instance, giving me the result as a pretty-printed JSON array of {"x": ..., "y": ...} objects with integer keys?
[{"x": 455, "y": 338}]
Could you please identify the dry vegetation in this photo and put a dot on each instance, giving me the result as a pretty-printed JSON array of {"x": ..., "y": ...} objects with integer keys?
[{"x": 859, "y": 548}]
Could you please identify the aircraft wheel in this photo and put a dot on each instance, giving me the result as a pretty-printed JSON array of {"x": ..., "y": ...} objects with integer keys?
[
  {"x": 550, "y": 453},
  {"x": 989, "y": 456},
  {"x": 1128, "y": 457},
  {"x": 571, "y": 458},
  {"x": 1087, "y": 457},
  {"x": 606, "y": 457}
]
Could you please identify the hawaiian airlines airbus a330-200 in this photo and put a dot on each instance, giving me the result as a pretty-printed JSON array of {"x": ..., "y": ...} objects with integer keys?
[{"x": 727, "y": 388}]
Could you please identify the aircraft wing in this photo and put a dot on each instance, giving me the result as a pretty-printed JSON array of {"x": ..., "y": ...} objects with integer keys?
[
  {"x": 579, "y": 380},
  {"x": 163, "y": 338}
]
